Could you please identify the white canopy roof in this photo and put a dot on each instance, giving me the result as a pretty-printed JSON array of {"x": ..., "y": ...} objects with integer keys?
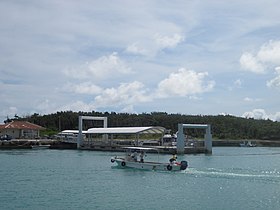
[
  {"x": 127, "y": 130},
  {"x": 71, "y": 132}
]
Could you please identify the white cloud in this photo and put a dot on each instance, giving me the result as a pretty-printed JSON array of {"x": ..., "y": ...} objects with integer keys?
[
  {"x": 256, "y": 114},
  {"x": 276, "y": 81},
  {"x": 194, "y": 97},
  {"x": 83, "y": 88},
  {"x": 105, "y": 66},
  {"x": 251, "y": 63},
  {"x": 277, "y": 116},
  {"x": 152, "y": 46},
  {"x": 225, "y": 114},
  {"x": 261, "y": 114},
  {"x": 49, "y": 105},
  {"x": 270, "y": 52},
  {"x": 168, "y": 41},
  {"x": 44, "y": 106},
  {"x": 10, "y": 112},
  {"x": 128, "y": 109},
  {"x": 267, "y": 56},
  {"x": 78, "y": 106},
  {"x": 135, "y": 48},
  {"x": 237, "y": 83},
  {"x": 125, "y": 94},
  {"x": 40, "y": 38},
  {"x": 183, "y": 83},
  {"x": 248, "y": 99}
]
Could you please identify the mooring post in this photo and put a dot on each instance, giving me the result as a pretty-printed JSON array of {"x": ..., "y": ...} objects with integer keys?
[
  {"x": 180, "y": 139},
  {"x": 80, "y": 136},
  {"x": 208, "y": 140}
]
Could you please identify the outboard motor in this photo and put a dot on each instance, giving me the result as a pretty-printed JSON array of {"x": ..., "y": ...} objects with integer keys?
[{"x": 184, "y": 165}]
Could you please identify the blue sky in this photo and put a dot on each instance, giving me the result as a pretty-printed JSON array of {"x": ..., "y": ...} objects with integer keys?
[{"x": 189, "y": 57}]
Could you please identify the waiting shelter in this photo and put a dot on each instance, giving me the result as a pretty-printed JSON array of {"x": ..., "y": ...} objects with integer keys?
[{"x": 132, "y": 131}]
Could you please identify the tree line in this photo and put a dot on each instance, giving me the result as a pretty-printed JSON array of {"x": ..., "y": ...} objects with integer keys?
[{"x": 222, "y": 126}]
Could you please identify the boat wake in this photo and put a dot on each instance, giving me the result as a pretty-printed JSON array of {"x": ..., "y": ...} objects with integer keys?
[{"x": 236, "y": 173}]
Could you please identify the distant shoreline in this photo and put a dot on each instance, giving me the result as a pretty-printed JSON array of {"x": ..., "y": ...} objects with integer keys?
[
  {"x": 26, "y": 143},
  {"x": 259, "y": 143}
]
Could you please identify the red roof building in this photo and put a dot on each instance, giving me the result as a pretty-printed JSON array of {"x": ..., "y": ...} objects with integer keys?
[{"x": 21, "y": 129}]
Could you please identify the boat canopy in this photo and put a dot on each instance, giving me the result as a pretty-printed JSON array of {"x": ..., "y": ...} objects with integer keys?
[
  {"x": 140, "y": 148},
  {"x": 127, "y": 130}
]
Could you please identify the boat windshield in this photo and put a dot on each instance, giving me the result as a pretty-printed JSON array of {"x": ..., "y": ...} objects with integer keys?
[{"x": 139, "y": 148}]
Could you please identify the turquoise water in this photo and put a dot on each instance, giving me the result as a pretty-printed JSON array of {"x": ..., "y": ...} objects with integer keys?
[{"x": 231, "y": 178}]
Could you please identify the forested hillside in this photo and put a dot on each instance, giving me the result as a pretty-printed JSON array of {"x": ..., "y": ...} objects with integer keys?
[{"x": 223, "y": 127}]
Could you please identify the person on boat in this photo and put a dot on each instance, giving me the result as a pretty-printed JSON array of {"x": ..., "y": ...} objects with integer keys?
[
  {"x": 134, "y": 156},
  {"x": 142, "y": 157},
  {"x": 128, "y": 157},
  {"x": 173, "y": 159}
]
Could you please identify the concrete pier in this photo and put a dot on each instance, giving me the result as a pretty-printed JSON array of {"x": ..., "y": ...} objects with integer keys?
[{"x": 181, "y": 137}]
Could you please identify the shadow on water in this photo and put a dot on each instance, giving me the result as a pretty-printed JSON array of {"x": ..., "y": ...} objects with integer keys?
[
  {"x": 16, "y": 152},
  {"x": 143, "y": 170},
  {"x": 130, "y": 169}
]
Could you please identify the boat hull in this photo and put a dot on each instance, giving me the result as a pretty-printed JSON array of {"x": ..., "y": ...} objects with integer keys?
[{"x": 147, "y": 165}]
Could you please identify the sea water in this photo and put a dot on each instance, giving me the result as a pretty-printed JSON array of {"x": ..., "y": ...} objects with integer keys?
[{"x": 230, "y": 178}]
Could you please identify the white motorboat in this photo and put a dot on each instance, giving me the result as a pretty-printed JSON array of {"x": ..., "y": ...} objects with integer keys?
[{"x": 130, "y": 160}]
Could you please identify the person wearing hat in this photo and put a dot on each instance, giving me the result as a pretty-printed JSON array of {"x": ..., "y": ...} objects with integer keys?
[{"x": 173, "y": 158}]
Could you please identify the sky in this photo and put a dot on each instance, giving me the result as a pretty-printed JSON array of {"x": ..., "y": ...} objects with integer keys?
[{"x": 184, "y": 56}]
